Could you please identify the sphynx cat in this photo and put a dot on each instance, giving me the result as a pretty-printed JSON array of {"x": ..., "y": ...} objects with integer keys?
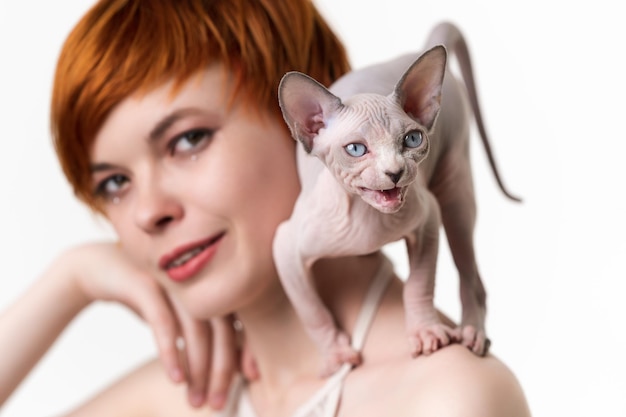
[{"x": 395, "y": 166}]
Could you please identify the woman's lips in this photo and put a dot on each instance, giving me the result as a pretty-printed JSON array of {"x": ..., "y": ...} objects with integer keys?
[{"x": 186, "y": 261}]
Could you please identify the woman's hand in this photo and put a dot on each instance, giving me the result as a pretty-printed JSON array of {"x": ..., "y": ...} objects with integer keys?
[
  {"x": 206, "y": 360},
  {"x": 203, "y": 354}
]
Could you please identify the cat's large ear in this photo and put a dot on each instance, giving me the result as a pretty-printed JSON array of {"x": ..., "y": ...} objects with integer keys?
[
  {"x": 306, "y": 105},
  {"x": 419, "y": 89}
]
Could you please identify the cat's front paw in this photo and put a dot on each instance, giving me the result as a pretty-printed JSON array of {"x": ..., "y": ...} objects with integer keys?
[
  {"x": 428, "y": 338},
  {"x": 339, "y": 353},
  {"x": 474, "y": 339}
]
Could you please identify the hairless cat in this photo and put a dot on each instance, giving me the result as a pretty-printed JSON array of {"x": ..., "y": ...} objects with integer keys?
[{"x": 395, "y": 166}]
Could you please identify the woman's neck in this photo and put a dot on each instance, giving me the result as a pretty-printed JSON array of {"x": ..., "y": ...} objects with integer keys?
[{"x": 282, "y": 349}]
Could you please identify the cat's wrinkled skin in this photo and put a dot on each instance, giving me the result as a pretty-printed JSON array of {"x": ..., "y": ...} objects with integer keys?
[{"x": 396, "y": 167}]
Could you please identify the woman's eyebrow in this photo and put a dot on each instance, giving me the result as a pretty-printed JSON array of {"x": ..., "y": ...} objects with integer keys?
[
  {"x": 101, "y": 167},
  {"x": 157, "y": 132},
  {"x": 164, "y": 124}
]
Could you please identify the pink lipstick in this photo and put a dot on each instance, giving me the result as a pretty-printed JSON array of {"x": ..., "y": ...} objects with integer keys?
[{"x": 187, "y": 260}]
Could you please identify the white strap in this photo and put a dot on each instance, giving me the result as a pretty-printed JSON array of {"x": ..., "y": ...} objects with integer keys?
[
  {"x": 325, "y": 402},
  {"x": 370, "y": 304}
]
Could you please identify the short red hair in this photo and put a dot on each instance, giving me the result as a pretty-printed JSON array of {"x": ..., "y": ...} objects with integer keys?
[{"x": 124, "y": 46}]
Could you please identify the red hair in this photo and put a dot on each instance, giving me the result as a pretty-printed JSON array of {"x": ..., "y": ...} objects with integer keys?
[{"x": 125, "y": 46}]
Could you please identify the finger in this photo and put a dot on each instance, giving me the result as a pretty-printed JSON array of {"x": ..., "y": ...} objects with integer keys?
[
  {"x": 197, "y": 354},
  {"x": 248, "y": 364},
  {"x": 157, "y": 311},
  {"x": 224, "y": 361}
]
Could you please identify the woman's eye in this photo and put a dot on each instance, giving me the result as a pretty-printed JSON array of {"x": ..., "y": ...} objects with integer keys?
[
  {"x": 111, "y": 186},
  {"x": 356, "y": 149},
  {"x": 413, "y": 139},
  {"x": 190, "y": 140}
]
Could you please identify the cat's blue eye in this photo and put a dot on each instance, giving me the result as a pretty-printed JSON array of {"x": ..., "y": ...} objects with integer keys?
[
  {"x": 356, "y": 149},
  {"x": 413, "y": 139}
]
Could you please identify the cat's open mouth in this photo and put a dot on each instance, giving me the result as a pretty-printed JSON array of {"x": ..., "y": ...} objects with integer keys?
[{"x": 387, "y": 201}]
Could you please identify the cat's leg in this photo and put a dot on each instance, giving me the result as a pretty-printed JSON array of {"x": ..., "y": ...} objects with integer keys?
[
  {"x": 294, "y": 270},
  {"x": 425, "y": 330},
  {"x": 454, "y": 190}
]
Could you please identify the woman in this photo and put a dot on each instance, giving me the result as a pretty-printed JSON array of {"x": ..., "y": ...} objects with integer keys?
[{"x": 165, "y": 120}]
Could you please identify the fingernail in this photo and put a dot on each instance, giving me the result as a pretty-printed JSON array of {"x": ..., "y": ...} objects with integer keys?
[
  {"x": 176, "y": 374},
  {"x": 217, "y": 401},
  {"x": 197, "y": 399}
]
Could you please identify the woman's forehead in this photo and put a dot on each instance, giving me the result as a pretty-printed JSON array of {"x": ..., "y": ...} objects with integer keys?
[
  {"x": 144, "y": 114},
  {"x": 210, "y": 86}
]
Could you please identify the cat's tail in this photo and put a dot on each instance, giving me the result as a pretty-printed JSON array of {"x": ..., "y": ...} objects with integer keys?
[{"x": 450, "y": 36}]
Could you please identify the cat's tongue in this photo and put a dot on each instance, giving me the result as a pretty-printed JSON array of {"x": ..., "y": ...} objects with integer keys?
[
  {"x": 390, "y": 195},
  {"x": 386, "y": 201},
  {"x": 389, "y": 198}
]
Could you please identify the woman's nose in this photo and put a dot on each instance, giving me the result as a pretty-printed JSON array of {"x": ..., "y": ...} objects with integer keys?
[{"x": 155, "y": 208}]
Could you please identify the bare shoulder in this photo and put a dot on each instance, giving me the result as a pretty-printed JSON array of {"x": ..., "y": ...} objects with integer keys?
[
  {"x": 144, "y": 391},
  {"x": 455, "y": 382},
  {"x": 452, "y": 382}
]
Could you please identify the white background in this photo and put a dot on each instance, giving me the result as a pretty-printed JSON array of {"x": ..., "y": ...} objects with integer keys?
[{"x": 551, "y": 82}]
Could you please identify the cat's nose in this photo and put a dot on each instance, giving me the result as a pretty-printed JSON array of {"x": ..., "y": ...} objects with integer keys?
[{"x": 395, "y": 176}]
